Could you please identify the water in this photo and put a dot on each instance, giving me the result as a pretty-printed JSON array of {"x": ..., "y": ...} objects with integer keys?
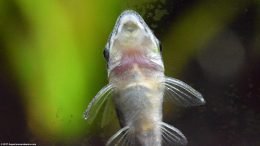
[{"x": 212, "y": 46}]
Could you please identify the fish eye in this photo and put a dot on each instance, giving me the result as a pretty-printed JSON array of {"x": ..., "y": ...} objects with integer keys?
[
  {"x": 106, "y": 54},
  {"x": 160, "y": 46}
]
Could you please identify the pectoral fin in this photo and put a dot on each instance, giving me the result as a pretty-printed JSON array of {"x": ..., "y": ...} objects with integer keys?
[
  {"x": 182, "y": 93},
  {"x": 102, "y": 97}
]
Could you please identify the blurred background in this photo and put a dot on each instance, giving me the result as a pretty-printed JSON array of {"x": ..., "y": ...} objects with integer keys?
[{"x": 51, "y": 66}]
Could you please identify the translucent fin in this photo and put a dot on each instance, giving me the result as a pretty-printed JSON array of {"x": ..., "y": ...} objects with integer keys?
[
  {"x": 172, "y": 136},
  {"x": 121, "y": 138},
  {"x": 97, "y": 102},
  {"x": 169, "y": 136},
  {"x": 182, "y": 93},
  {"x": 108, "y": 113}
]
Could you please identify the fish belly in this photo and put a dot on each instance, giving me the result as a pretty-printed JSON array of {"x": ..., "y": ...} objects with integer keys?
[{"x": 140, "y": 107}]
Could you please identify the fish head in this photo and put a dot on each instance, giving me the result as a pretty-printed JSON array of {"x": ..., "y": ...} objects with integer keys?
[{"x": 132, "y": 42}]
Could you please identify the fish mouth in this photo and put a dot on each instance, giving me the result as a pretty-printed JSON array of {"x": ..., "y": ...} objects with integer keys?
[
  {"x": 130, "y": 22},
  {"x": 130, "y": 26}
]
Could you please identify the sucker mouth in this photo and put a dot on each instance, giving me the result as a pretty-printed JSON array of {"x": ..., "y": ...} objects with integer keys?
[
  {"x": 130, "y": 26},
  {"x": 129, "y": 22}
]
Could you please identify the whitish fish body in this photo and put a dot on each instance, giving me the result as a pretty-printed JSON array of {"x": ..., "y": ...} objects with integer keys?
[{"x": 138, "y": 86}]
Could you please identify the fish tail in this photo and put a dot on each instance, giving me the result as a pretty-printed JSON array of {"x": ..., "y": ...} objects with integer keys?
[{"x": 165, "y": 135}]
